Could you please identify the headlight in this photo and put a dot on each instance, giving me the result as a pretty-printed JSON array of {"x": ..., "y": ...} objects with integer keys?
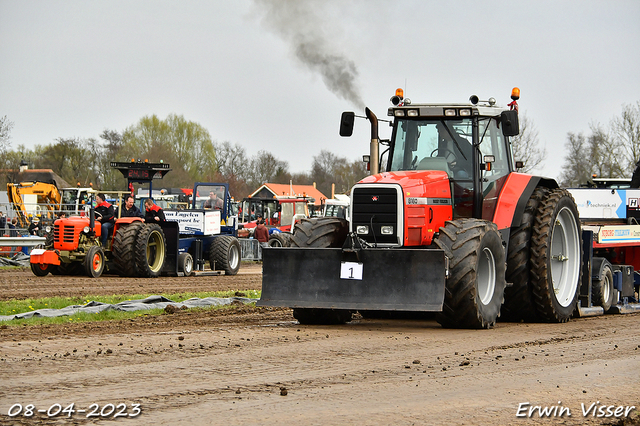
[
  {"x": 386, "y": 230},
  {"x": 47, "y": 229},
  {"x": 86, "y": 229},
  {"x": 362, "y": 230}
]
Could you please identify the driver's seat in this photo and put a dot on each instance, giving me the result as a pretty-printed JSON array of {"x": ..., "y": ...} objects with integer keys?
[{"x": 434, "y": 163}]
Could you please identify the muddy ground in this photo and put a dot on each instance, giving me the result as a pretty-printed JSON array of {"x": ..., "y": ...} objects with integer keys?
[{"x": 259, "y": 366}]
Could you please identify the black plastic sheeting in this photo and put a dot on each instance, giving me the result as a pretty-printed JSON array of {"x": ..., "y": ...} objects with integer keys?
[
  {"x": 18, "y": 259},
  {"x": 151, "y": 302}
]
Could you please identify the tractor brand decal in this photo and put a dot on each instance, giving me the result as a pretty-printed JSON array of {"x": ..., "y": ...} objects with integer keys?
[
  {"x": 374, "y": 198},
  {"x": 633, "y": 203},
  {"x": 424, "y": 201}
]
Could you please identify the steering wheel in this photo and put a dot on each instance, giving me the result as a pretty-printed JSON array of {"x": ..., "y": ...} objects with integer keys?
[{"x": 447, "y": 153}]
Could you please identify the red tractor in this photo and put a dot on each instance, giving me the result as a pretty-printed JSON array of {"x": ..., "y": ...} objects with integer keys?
[{"x": 447, "y": 226}]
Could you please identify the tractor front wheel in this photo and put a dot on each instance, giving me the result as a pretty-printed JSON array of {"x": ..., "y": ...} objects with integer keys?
[
  {"x": 94, "y": 262},
  {"x": 475, "y": 287},
  {"x": 320, "y": 232},
  {"x": 41, "y": 269}
]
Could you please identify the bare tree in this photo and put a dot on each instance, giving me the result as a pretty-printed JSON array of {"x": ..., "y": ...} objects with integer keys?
[
  {"x": 626, "y": 131},
  {"x": 576, "y": 168},
  {"x": 5, "y": 135},
  {"x": 526, "y": 146},
  {"x": 264, "y": 167}
]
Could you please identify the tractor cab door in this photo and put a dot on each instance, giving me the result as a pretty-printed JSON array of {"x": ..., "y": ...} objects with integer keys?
[{"x": 493, "y": 148}]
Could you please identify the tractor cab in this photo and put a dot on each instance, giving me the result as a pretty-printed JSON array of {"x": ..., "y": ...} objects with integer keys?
[
  {"x": 444, "y": 162},
  {"x": 442, "y": 138}
]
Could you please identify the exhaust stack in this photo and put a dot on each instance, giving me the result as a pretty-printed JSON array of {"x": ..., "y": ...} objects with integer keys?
[{"x": 374, "y": 148}]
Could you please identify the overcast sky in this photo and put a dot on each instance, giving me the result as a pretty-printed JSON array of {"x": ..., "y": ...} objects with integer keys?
[{"x": 251, "y": 71}]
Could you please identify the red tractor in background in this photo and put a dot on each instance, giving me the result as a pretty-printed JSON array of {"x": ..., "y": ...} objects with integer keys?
[{"x": 447, "y": 226}]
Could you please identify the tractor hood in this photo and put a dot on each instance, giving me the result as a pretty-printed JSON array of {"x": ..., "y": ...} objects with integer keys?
[{"x": 418, "y": 183}]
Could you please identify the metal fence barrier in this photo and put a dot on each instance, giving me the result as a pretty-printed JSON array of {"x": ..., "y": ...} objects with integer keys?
[{"x": 251, "y": 249}]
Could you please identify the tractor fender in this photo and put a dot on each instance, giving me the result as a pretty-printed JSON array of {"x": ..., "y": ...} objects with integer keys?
[{"x": 514, "y": 197}]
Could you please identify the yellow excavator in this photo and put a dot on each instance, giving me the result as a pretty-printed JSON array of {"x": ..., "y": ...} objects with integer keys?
[{"x": 33, "y": 198}]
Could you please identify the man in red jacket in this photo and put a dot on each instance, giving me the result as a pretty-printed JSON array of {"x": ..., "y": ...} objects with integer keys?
[
  {"x": 105, "y": 215},
  {"x": 261, "y": 233},
  {"x": 153, "y": 213}
]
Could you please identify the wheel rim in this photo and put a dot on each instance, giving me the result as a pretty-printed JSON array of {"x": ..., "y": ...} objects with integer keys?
[
  {"x": 274, "y": 242},
  {"x": 486, "y": 276},
  {"x": 606, "y": 288},
  {"x": 565, "y": 257},
  {"x": 188, "y": 265},
  {"x": 234, "y": 256},
  {"x": 96, "y": 262},
  {"x": 155, "y": 251}
]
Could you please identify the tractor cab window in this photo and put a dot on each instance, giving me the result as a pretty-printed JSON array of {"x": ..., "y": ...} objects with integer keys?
[
  {"x": 287, "y": 213},
  {"x": 210, "y": 196},
  {"x": 435, "y": 144},
  {"x": 438, "y": 144}
]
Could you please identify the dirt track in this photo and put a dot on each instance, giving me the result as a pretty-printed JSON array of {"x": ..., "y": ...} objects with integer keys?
[{"x": 222, "y": 367}]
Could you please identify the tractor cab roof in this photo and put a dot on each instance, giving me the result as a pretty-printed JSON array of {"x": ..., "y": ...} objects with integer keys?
[{"x": 451, "y": 110}]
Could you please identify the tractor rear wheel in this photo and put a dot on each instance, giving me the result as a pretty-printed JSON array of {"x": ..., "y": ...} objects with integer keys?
[
  {"x": 313, "y": 316},
  {"x": 94, "y": 262},
  {"x": 602, "y": 286},
  {"x": 518, "y": 298},
  {"x": 225, "y": 254},
  {"x": 320, "y": 232},
  {"x": 124, "y": 247},
  {"x": 41, "y": 269},
  {"x": 475, "y": 287},
  {"x": 556, "y": 256},
  {"x": 151, "y": 249},
  {"x": 280, "y": 239}
]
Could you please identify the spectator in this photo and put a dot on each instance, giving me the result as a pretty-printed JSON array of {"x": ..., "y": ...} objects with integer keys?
[
  {"x": 261, "y": 233},
  {"x": 153, "y": 213},
  {"x": 105, "y": 214},
  {"x": 3, "y": 223},
  {"x": 12, "y": 228},
  {"x": 213, "y": 202},
  {"x": 130, "y": 209},
  {"x": 34, "y": 226}
]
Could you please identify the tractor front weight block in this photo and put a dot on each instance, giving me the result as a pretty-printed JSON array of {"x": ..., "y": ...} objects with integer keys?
[{"x": 369, "y": 279}]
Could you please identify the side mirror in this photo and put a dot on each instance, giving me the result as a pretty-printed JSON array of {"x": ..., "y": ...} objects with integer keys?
[
  {"x": 346, "y": 123},
  {"x": 509, "y": 122}
]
